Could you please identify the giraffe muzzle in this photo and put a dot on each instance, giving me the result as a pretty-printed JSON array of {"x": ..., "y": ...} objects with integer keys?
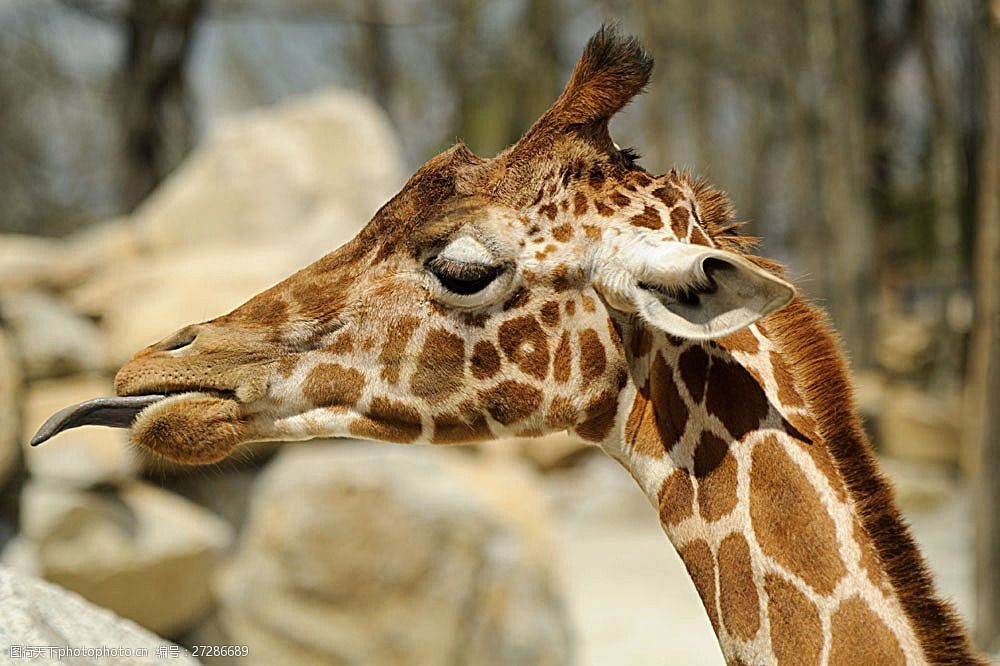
[{"x": 117, "y": 412}]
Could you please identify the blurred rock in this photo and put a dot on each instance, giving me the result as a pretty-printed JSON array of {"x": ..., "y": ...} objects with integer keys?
[
  {"x": 52, "y": 339},
  {"x": 80, "y": 457},
  {"x": 366, "y": 554},
  {"x": 26, "y": 261},
  {"x": 919, "y": 485},
  {"x": 98, "y": 248},
  {"x": 918, "y": 426},
  {"x": 37, "y": 613},
  {"x": 143, "y": 552},
  {"x": 271, "y": 192},
  {"x": 554, "y": 451},
  {"x": 903, "y": 343},
  {"x": 10, "y": 416},
  {"x": 140, "y": 303},
  {"x": 267, "y": 174}
]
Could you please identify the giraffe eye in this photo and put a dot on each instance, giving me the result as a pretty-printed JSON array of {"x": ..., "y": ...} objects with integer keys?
[{"x": 463, "y": 278}]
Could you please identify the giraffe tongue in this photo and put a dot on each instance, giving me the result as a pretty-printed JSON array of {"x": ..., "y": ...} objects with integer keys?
[{"x": 111, "y": 412}]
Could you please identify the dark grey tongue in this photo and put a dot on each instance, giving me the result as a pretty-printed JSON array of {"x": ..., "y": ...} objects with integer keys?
[{"x": 111, "y": 412}]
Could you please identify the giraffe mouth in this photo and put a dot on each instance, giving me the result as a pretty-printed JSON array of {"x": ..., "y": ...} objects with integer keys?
[{"x": 113, "y": 412}]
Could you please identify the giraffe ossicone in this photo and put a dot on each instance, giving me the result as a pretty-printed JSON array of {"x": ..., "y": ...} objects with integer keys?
[{"x": 560, "y": 286}]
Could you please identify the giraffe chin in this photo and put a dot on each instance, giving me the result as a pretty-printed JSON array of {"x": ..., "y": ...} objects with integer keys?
[{"x": 192, "y": 428}]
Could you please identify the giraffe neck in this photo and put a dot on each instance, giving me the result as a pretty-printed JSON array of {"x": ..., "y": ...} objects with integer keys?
[{"x": 724, "y": 444}]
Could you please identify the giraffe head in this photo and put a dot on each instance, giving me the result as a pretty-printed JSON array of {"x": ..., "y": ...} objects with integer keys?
[{"x": 487, "y": 298}]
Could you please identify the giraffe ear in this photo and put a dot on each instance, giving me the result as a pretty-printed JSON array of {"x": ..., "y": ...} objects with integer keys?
[
  {"x": 689, "y": 291},
  {"x": 611, "y": 71}
]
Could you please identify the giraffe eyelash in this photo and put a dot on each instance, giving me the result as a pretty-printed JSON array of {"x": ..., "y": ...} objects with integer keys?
[{"x": 463, "y": 278}]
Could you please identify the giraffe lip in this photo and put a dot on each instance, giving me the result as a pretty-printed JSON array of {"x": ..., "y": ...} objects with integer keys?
[{"x": 117, "y": 412}]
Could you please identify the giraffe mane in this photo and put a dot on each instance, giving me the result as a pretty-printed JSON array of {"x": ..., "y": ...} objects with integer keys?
[{"x": 820, "y": 372}]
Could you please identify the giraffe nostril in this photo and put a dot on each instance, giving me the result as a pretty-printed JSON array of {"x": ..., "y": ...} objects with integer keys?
[{"x": 179, "y": 341}]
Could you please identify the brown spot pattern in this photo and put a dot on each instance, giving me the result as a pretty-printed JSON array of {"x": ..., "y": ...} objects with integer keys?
[
  {"x": 550, "y": 314},
  {"x": 603, "y": 209},
  {"x": 388, "y": 421},
  {"x": 679, "y": 221},
  {"x": 517, "y": 299},
  {"x": 524, "y": 342},
  {"x": 787, "y": 394},
  {"x": 676, "y": 498},
  {"x": 693, "y": 364},
  {"x": 715, "y": 469},
  {"x": 619, "y": 199},
  {"x": 742, "y": 340},
  {"x": 796, "y": 632},
  {"x": 641, "y": 342},
  {"x": 738, "y": 598},
  {"x": 579, "y": 204},
  {"x": 735, "y": 397},
  {"x": 331, "y": 384},
  {"x": 821, "y": 457},
  {"x": 698, "y": 236},
  {"x": 562, "y": 364},
  {"x": 485, "y": 361},
  {"x": 440, "y": 368},
  {"x": 564, "y": 277},
  {"x": 698, "y": 559},
  {"x": 860, "y": 637},
  {"x": 509, "y": 401},
  {"x": 649, "y": 218},
  {"x": 593, "y": 359},
  {"x": 342, "y": 344},
  {"x": 657, "y": 420},
  {"x": 548, "y": 210},
  {"x": 792, "y": 525},
  {"x": 454, "y": 429},
  {"x": 600, "y": 417},
  {"x": 396, "y": 339},
  {"x": 668, "y": 194},
  {"x": 266, "y": 309},
  {"x": 561, "y": 413},
  {"x": 562, "y": 233}
]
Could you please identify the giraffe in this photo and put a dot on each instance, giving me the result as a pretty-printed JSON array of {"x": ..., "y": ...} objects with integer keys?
[{"x": 559, "y": 286}]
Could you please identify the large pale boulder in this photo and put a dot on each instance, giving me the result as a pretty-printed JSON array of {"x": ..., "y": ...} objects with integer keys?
[
  {"x": 142, "y": 302},
  {"x": 269, "y": 193},
  {"x": 95, "y": 250},
  {"x": 42, "y": 615},
  {"x": 268, "y": 174},
  {"x": 51, "y": 338},
  {"x": 26, "y": 261},
  {"x": 367, "y": 554},
  {"x": 143, "y": 552},
  {"x": 918, "y": 426},
  {"x": 10, "y": 412},
  {"x": 81, "y": 457}
]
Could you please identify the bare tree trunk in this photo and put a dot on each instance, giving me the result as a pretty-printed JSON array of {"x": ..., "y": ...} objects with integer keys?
[
  {"x": 536, "y": 82},
  {"x": 943, "y": 179},
  {"x": 844, "y": 180},
  {"x": 984, "y": 368},
  {"x": 377, "y": 55},
  {"x": 655, "y": 102},
  {"x": 456, "y": 54},
  {"x": 156, "y": 114}
]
